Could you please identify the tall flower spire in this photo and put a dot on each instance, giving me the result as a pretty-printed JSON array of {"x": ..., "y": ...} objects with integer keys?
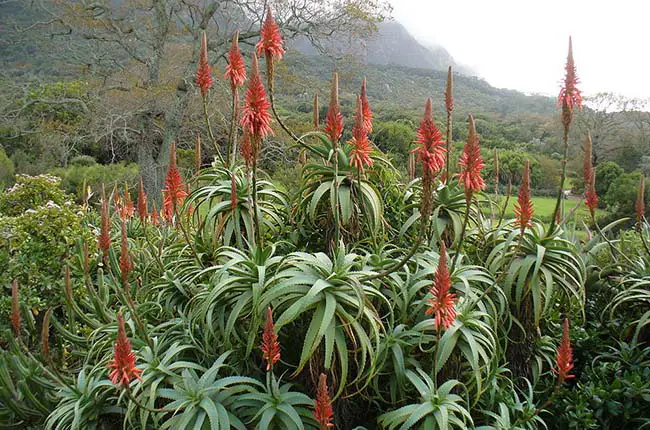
[
  {"x": 591, "y": 198},
  {"x": 365, "y": 105},
  {"x": 122, "y": 365},
  {"x": 316, "y": 113},
  {"x": 524, "y": 207},
  {"x": 323, "y": 411},
  {"x": 142, "y": 202},
  {"x": 471, "y": 163},
  {"x": 271, "y": 44},
  {"x": 270, "y": 345},
  {"x": 570, "y": 96},
  {"x": 247, "y": 150},
  {"x": 256, "y": 117},
  {"x": 449, "y": 107},
  {"x": 124, "y": 204},
  {"x": 639, "y": 205},
  {"x": 15, "y": 308},
  {"x": 236, "y": 69},
  {"x": 174, "y": 192},
  {"x": 233, "y": 191},
  {"x": 334, "y": 120},
  {"x": 197, "y": 154},
  {"x": 203, "y": 74},
  {"x": 360, "y": 153},
  {"x": 431, "y": 150},
  {"x": 441, "y": 305},
  {"x": 125, "y": 258},
  {"x": 564, "y": 360},
  {"x": 104, "y": 240},
  {"x": 154, "y": 214}
]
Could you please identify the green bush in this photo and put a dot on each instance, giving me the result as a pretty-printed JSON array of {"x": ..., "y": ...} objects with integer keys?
[
  {"x": 31, "y": 192},
  {"x": 77, "y": 176},
  {"x": 606, "y": 174},
  {"x": 6, "y": 170},
  {"x": 622, "y": 194}
]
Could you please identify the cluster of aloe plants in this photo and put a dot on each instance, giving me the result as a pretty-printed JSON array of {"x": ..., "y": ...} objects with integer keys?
[{"x": 242, "y": 305}]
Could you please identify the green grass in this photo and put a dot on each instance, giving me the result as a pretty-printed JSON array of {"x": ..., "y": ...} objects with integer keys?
[{"x": 544, "y": 207}]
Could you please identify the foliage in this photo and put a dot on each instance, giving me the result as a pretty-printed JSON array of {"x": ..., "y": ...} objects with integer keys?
[
  {"x": 621, "y": 195},
  {"x": 82, "y": 173},
  {"x": 6, "y": 170},
  {"x": 606, "y": 174}
]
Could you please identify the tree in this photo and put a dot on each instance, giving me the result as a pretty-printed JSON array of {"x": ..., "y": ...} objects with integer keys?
[
  {"x": 149, "y": 49},
  {"x": 606, "y": 174}
]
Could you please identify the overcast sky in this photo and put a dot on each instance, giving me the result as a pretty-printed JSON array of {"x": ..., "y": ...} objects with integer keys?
[{"x": 522, "y": 44}]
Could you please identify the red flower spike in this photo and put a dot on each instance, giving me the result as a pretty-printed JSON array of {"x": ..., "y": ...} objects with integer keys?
[
  {"x": 316, "y": 113},
  {"x": 125, "y": 258},
  {"x": 203, "y": 74},
  {"x": 236, "y": 69},
  {"x": 449, "y": 98},
  {"x": 256, "y": 117},
  {"x": 564, "y": 360},
  {"x": 247, "y": 151},
  {"x": 441, "y": 305},
  {"x": 367, "y": 112},
  {"x": 588, "y": 166},
  {"x": 154, "y": 215},
  {"x": 361, "y": 149},
  {"x": 431, "y": 150},
  {"x": 271, "y": 43},
  {"x": 334, "y": 120},
  {"x": 15, "y": 308},
  {"x": 233, "y": 191},
  {"x": 323, "y": 411},
  {"x": 591, "y": 198},
  {"x": 124, "y": 205},
  {"x": 471, "y": 163},
  {"x": 174, "y": 192},
  {"x": 524, "y": 207},
  {"x": 142, "y": 202},
  {"x": 104, "y": 240},
  {"x": 197, "y": 154},
  {"x": 270, "y": 345},
  {"x": 569, "y": 93},
  {"x": 122, "y": 365},
  {"x": 639, "y": 205}
]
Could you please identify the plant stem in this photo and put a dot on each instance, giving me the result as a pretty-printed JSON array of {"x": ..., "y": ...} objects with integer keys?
[
  {"x": 560, "y": 193},
  {"x": 468, "y": 204},
  {"x": 256, "y": 216},
  {"x": 207, "y": 123},
  {"x": 232, "y": 136},
  {"x": 335, "y": 195},
  {"x": 448, "y": 164}
]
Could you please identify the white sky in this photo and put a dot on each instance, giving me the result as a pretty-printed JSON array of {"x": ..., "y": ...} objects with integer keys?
[{"x": 522, "y": 44}]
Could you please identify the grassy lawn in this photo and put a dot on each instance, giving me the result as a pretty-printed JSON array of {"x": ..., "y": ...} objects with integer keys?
[{"x": 544, "y": 208}]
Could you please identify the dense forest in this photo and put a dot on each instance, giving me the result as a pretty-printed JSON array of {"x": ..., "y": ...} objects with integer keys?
[{"x": 233, "y": 214}]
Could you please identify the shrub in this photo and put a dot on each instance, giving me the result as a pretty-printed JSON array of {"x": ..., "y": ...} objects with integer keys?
[
  {"x": 6, "y": 170},
  {"x": 31, "y": 192},
  {"x": 76, "y": 176}
]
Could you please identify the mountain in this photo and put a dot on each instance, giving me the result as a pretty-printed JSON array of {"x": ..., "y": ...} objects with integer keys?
[{"x": 392, "y": 44}]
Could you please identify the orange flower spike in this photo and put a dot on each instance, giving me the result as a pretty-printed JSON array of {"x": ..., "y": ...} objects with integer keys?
[
  {"x": 271, "y": 43},
  {"x": 256, "y": 117},
  {"x": 247, "y": 151},
  {"x": 154, "y": 215},
  {"x": 104, "y": 240},
  {"x": 570, "y": 95},
  {"x": 203, "y": 73},
  {"x": 316, "y": 113},
  {"x": 524, "y": 207},
  {"x": 323, "y": 411},
  {"x": 174, "y": 192},
  {"x": 441, "y": 305},
  {"x": 122, "y": 365},
  {"x": 270, "y": 345},
  {"x": 125, "y": 258},
  {"x": 233, "y": 191},
  {"x": 564, "y": 360},
  {"x": 15, "y": 308},
  {"x": 142, "y": 202},
  {"x": 334, "y": 119},
  {"x": 449, "y": 97},
  {"x": 365, "y": 105},
  {"x": 128, "y": 207},
  {"x": 591, "y": 198},
  {"x": 639, "y": 205},
  {"x": 471, "y": 163},
  {"x": 361, "y": 149},
  {"x": 431, "y": 150},
  {"x": 236, "y": 68}
]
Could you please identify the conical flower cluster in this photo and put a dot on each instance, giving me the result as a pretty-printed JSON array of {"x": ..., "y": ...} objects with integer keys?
[
  {"x": 236, "y": 69},
  {"x": 175, "y": 191},
  {"x": 104, "y": 240},
  {"x": 365, "y": 107},
  {"x": 270, "y": 345},
  {"x": 122, "y": 365},
  {"x": 125, "y": 258},
  {"x": 334, "y": 120},
  {"x": 271, "y": 43},
  {"x": 471, "y": 163},
  {"x": 142, "y": 202},
  {"x": 564, "y": 359},
  {"x": 442, "y": 304},
  {"x": 323, "y": 411},
  {"x": 203, "y": 73},
  {"x": 361, "y": 149},
  {"x": 256, "y": 118},
  {"x": 591, "y": 198},
  {"x": 639, "y": 205},
  {"x": 524, "y": 207},
  {"x": 431, "y": 150}
]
